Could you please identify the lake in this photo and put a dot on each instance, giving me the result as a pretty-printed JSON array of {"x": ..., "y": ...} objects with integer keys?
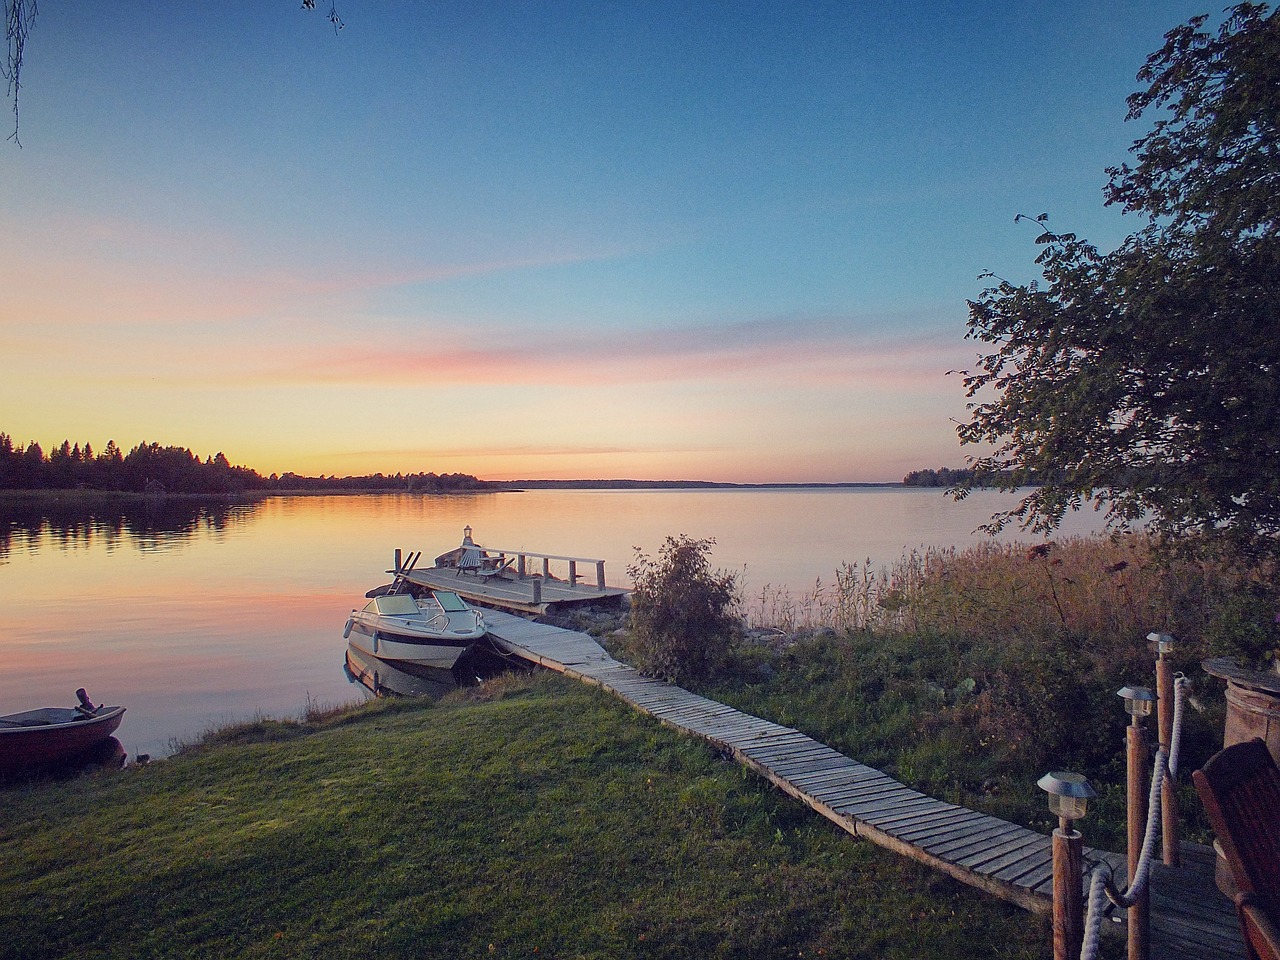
[{"x": 196, "y": 614}]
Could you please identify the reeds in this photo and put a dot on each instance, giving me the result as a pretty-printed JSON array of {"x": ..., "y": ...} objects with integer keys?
[{"x": 1096, "y": 587}]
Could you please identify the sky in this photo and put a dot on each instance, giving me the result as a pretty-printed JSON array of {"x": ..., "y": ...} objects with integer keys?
[{"x": 725, "y": 241}]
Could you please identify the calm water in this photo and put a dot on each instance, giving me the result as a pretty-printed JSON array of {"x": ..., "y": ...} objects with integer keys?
[{"x": 196, "y": 615}]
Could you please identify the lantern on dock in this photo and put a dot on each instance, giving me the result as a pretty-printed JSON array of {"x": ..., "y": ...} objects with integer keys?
[{"x": 1069, "y": 795}]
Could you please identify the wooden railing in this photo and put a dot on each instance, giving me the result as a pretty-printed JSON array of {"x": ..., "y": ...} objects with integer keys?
[{"x": 523, "y": 556}]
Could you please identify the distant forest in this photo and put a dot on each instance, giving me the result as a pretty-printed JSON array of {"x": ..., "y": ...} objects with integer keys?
[
  {"x": 151, "y": 468},
  {"x": 942, "y": 477}
]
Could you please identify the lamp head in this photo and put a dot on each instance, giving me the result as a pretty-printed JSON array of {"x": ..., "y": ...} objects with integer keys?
[
  {"x": 1069, "y": 794},
  {"x": 1138, "y": 701},
  {"x": 1163, "y": 642}
]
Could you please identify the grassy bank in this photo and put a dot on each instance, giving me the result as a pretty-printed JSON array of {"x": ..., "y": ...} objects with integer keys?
[{"x": 530, "y": 817}]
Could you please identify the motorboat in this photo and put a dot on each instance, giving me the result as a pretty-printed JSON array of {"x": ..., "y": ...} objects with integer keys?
[
  {"x": 37, "y": 739},
  {"x": 427, "y": 629}
]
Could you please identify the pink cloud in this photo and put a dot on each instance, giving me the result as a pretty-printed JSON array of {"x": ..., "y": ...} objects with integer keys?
[{"x": 797, "y": 353}]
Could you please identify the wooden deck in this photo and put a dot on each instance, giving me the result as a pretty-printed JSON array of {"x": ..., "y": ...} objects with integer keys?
[
  {"x": 1190, "y": 918},
  {"x": 534, "y": 595}
]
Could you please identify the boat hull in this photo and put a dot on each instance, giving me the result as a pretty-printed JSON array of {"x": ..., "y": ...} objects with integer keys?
[
  {"x": 408, "y": 651},
  {"x": 38, "y": 739}
]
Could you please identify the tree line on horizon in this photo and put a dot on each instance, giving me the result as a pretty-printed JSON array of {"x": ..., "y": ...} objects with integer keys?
[
  {"x": 152, "y": 468},
  {"x": 941, "y": 477}
]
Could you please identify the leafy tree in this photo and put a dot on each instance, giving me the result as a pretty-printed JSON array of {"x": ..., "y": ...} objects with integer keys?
[
  {"x": 682, "y": 620},
  {"x": 1147, "y": 380}
]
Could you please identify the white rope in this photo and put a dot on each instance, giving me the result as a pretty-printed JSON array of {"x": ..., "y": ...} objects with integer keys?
[{"x": 1100, "y": 882}]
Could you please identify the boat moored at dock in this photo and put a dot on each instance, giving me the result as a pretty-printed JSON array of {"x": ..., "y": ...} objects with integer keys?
[{"x": 427, "y": 629}]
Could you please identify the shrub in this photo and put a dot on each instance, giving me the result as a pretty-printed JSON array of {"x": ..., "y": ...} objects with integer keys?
[{"x": 682, "y": 620}]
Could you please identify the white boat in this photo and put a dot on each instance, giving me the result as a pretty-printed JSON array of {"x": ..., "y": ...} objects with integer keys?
[{"x": 430, "y": 631}]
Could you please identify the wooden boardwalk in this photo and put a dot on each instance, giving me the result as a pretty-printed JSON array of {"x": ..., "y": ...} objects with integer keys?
[
  {"x": 530, "y": 595},
  {"x": 1190, "y": 918}
]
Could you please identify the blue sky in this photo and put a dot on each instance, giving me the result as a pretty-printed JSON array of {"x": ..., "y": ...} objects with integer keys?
[{"x": 727, "y": 241}]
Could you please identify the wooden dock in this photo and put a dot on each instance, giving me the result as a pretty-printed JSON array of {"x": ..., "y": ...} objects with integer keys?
[
  {"x": 1190, "y": 918},
  {"x": 529, "y": 594}
]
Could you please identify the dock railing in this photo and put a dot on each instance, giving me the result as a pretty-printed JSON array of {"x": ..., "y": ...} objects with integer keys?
[{"x": 523, "y": 557}]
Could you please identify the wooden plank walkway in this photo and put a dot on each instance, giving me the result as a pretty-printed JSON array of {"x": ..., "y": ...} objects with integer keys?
[
  {"x": 1190, "y": 918},
  {"x": 511, "y": 593}
]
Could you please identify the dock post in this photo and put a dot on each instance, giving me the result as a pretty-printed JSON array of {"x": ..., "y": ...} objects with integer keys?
[
  {"x": 1169, "y": 813},
  {"x": 1069, "y": 796},
  {"x": 1138, "y": 704},
  {"x": 520, "y": 566},
  {"x": 600, "y": 574},
  {"x": 398, "y": 560},
  {"x": 546, "y": 568},
  {"x": 537, "y": 590},
  {"x": 573, "y": 573},
  {"x": 1068, "y": 907}
]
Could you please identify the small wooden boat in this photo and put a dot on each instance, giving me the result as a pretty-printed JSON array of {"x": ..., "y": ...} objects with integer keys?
[{"x": 36, "y": 739}]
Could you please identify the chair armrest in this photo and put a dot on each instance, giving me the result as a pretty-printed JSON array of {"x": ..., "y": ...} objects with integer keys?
[{"x": 1262, "y": 932}]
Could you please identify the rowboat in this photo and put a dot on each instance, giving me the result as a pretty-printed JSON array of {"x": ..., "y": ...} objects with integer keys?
[{"x": 36, "y": 739}]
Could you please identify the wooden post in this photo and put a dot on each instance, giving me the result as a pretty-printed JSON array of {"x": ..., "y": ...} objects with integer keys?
[
  {"x": 573, "y": 573},
  {"x": 1169, "y": 814},
  {"x": 520, "y": 566},
  {"x": 397, "y": 562},
  {"x": 600, "y": 574},
  {"x": 1139, "y": 777},
  {"x": 537, "y": 590},
  {"x": 546, "y": 568},
  {"x": 1068, "y": 898}
]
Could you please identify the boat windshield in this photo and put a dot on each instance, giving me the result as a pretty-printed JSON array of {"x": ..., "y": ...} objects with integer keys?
[
  {"x": 450, "y": 602},
  {"x": 400, "y": 605}
]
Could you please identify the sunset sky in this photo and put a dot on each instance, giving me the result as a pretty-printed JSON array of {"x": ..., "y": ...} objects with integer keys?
[{"x": 719, "y": 240}]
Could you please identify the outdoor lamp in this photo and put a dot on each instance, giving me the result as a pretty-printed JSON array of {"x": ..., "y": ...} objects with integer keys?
[
  {"x": 1163, "y": 642},
  {"x": 1138, "y": 701},
  {"x": 1069, "y": 795}
]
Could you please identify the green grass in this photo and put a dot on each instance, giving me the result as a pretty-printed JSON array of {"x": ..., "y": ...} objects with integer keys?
[{"x": 530, "y": 817}]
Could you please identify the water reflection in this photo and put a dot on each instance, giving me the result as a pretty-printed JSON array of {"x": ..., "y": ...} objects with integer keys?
[
  {"x": 380, "y": 679},
  {"x": 149, "y": 524}
]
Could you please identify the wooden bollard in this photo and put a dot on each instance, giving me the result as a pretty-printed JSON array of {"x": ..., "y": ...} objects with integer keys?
[
  {"x": 1169, "y": 813},
  {"x": 1139, "y": 776},
  {"x": 1068, "y": 904}
]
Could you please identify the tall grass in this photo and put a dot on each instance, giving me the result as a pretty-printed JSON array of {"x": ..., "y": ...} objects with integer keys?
[{"x": 1091, "y": 588}]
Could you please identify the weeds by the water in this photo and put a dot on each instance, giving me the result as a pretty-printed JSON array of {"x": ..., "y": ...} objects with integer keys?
[{"x": 1091, "y": 588}]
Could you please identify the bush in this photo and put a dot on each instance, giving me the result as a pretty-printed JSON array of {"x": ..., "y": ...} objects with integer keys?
[{"x": 682, "y": 620}]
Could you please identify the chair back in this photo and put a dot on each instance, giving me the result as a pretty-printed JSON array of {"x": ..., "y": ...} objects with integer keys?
[{"x": 1240, "y": 790}]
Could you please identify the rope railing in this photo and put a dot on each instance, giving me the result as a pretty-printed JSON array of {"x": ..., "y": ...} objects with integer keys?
[{"x": 1101, "y": 882}]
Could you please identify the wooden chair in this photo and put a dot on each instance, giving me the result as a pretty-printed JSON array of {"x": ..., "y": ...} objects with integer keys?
[{"x": 1240, "y": 790}]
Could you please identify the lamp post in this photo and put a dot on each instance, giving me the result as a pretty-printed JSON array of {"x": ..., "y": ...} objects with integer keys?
[
  {"x": 1138, "y": 702},
  {"x": 1069, "y": 795},
  {"x": 1169, "y": 813}
]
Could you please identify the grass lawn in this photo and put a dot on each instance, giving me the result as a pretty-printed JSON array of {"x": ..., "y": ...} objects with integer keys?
[{"x": 530, "y": 817}]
